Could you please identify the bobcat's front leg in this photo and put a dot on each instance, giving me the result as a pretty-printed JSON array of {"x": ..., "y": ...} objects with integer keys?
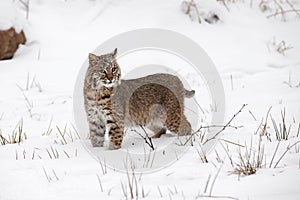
[
  {"x": 115, "y": 134},
  {"x": 96, "y": 127}
]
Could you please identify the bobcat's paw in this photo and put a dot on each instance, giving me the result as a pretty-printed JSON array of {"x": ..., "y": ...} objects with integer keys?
[
  {"x": 97, "y": 141},
  {"x": 113, "y": 146}
]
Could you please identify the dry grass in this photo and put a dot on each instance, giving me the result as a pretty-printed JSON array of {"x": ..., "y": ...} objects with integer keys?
[
  {"x": 289, "y": 147},
  {"x": 282, "y": 130},
  {"x": 102, "y": 165},
  {"x": 209, "y": 186},
  {"x": 279, "y": 8},
  {"x": 31, "y": 83},
  {"x": 280, "y": 47},
  {"x": 25, "y": 4},
  {"x": 53, "y": 153},
  {"x": 52, "y": 177},
  {"x": 290, "y": 84},
  {"x": 201, "y": 153},
  {"x": 47, "y": 152},
  {"x": 100, "y": 183},
  {"x": 189, "y": 7},
  {"x": 64, "y": 135},
  {"x": 148, "y": 157},
  {"x": 249, "y": 160},
  {"x": 49, "y": 130},
  {"x": 132, "y": 188},
  {"x": 16, "y": 137}
]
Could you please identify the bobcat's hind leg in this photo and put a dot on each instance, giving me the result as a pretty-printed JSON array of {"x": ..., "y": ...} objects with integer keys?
[
  {"x": 157, "y": 116},
  {"x": 185, "y": 127},
  {"x": 180, "y": 127}
]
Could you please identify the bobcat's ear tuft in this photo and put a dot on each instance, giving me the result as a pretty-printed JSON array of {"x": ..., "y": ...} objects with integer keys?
[
  {"x": 92, "y": 57},
  {"x": 115, "y": 52}
]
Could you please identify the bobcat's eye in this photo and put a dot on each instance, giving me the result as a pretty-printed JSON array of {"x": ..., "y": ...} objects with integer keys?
[
  {"x": 114, "y": 69},
  {"x": 102, "y": 71}
]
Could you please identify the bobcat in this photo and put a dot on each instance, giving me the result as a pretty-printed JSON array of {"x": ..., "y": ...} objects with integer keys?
[{"x": 155, "y": 101}]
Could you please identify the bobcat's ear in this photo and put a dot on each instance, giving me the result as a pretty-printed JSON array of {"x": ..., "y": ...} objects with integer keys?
[
  {"x": 92, "y": 57},
  {"x": 115, "y": 52}
]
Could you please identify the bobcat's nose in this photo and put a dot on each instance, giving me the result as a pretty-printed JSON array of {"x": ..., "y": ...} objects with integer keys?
[{"x": 110, "y": 78}]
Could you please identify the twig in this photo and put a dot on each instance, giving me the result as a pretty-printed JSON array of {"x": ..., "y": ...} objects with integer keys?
[
  {"x": 207, "y": 182},
  {"x": 202, "y": 154},
  {"x": 124, "y": 189},
  {"x": 282, "y": 13},
  {"x": 289, "y": 82},
  {"x": 214, "y": 180},
  {"x": 216, "y": 197},
  {"x": 264, "y": 126},
  {"x": 26, "y": 5},
  {"x": 109, "y": 191},
  {"x": 66, "y": 154},
  {"x": 49, "y": 130},
  {"x": 33, "y": 153},
  {"x": 100, "y": 183},
  {"x": 232, "y": 142},
  {"x": 55, "y": 174},
  {"x": 228, "y": 123},
  {"x": 75, "y": 130},
  {"x": 4, "y": 141},
  {"x": 62, "y": 135},
  {"x": 208, "y": 127},
  {"x": 274, "y": 154},
  {"x": 48, "y": 178},
  {"x": 225, "y": 5},
  {"x": 221, "y": 126},
  {"x": 154, "y": 152},
  {"x": 103, "y": 168},
  {"x": 48, "y": 153},
  {"x": 252, "y": 115},
  {"x": 293, "y": 8},
  {"x": 231, "y": 81},
  {"x": 298, "y": 131},
  {"x": 287, "y": 149},
  {"x": 227, "y": 153},
  {"x": 29, "y": 105},
  {"x": 159, "y": 191},
  {"x": 147, "y": 139}
]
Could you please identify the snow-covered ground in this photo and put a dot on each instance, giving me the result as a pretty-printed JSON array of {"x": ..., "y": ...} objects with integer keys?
[{"x": 37, "y": 91}]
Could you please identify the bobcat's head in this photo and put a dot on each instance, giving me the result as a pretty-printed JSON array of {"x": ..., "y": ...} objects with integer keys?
[{"x": 104, "y": 70}]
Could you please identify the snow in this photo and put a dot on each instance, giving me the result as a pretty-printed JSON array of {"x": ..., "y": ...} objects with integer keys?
[
  {"x": 10, "y": 16},
  {"x": 60, "y": 36}
]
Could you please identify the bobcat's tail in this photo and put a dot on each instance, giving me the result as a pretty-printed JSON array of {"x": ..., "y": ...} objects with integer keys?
[{"x": 189, "y": 94}]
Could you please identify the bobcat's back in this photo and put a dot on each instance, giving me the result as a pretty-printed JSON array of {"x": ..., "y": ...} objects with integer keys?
[{"x": 148, "y": 98}]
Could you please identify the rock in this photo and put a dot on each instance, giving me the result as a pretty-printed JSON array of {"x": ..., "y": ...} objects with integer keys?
[{"x": 9, "y": 42}]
